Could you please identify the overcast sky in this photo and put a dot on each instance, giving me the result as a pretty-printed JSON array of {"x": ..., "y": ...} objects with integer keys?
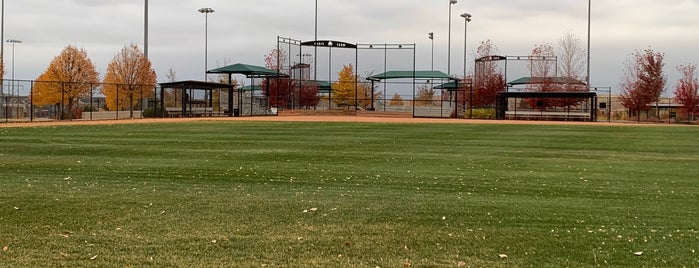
[{"x": 243, "y": 31}]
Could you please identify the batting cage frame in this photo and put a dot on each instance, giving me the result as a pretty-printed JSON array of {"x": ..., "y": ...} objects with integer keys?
[
  {"x": 537, "y": 100},
  {"x": 371, "y": 91}
]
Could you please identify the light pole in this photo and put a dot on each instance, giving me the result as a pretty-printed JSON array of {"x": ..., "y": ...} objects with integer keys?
[
  {"x": 467, "y": 19},
  {"x": 430, "y": 35},
  {"x": 315, "y": 47},
  {"x": 2, "y": 57},
  {"x": 206, "y": 12},
  {"x": 451, "y": 2},
  {"x": 145, "y": 31},
  {"x": 13, "y": 42},
  {"x": 589, "y": 15}
]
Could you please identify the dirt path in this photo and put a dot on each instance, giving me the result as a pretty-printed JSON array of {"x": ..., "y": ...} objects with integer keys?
[{"x": 311, "y": 119}]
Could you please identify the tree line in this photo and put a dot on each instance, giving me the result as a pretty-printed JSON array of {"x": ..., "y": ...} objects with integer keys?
[
  {"x": 72, "y": 75},
  {"x": 129, "y": 78}
]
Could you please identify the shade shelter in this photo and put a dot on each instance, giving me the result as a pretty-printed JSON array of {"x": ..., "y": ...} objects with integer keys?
[
  {"x": 504, "y": 110},
  {"x": 414, "y": 75},
  {"x": 543, "y": 80},
  {"x": 187, "y": 107},
  {"x": 249, "y": 71}
]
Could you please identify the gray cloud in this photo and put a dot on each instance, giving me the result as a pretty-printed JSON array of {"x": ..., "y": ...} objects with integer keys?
[{"x": 245, "y": 30}]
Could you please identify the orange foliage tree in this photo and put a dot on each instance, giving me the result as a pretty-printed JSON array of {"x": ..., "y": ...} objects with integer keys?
[
  {"x": 129, "y": 79},
  {"x": 687, "y": 89},
  {"x": 69, "y": 76},
  {"x": 344, "y": 89}
]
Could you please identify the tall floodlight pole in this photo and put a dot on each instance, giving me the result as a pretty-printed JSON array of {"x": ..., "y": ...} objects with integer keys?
[
  {"x": 430, "y": 35},
  {"x": 145, "y": 31},
  {"x": 2, "y": 54},
  {"x": 467, "y": 19},
  {"x": 315, "y": 52},
  {"x": 589, "y": 15},
  {"x": 206, "y": 12},
  {"x": 451, "y": 2},
  {"x": 13, "y": 42}
]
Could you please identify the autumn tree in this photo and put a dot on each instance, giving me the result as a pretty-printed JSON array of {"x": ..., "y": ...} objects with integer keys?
[
  {"x": 489, "y": 79},
  {"x": 344, "y": 89},
  {"x": 687, "y": 90},
  {"x": 542, "y": 66},
  {"x": 69, "y": 76},
  {"x": 129, "y": 79},
  {"x": 308, "y": 96},
  {"x": 644, "y": 81},
  {"x": 571, "y": 56},
  {"x": 396, "y": 100},
  {"x": 171, "y": 97},
  {"x": 425, "y": 95},
  {"x": 277, "y": 89}
]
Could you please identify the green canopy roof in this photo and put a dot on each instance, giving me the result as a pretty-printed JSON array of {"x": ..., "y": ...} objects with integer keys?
[
  {"x": 324, "y": 86},
  {"x": 542, "y": 80},
  {"x": 410, "y": 74},
  {"x": 448, "y": 86},
  {"x": 247, "y": 70},
  {"x": 252, "y": 88},
  {"x": 196, "y": 85}
]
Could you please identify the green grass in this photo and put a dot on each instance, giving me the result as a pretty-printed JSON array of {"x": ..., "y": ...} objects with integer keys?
[{"x": 215, "y": 194}]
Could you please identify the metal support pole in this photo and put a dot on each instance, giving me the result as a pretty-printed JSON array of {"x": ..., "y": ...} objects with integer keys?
[
  {"x": 451, "y": 2},
  {"x": 206, "y": 12},
  {"x": 589, "y": 16},
  {"x": 145, "y": 31},
  {"x": 315, "y": 46},
  {"x": 2, "y": 58}
]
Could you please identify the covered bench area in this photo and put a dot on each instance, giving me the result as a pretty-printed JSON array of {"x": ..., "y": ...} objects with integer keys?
[
  {"x": 513, "y": 106},
  {"x": 432, "y": 108},
  {"x": 254, "y": 105},
  {"x": 195, "y": 99}
]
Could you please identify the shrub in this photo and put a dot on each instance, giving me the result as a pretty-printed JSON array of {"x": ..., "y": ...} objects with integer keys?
[
  {"x": 152, "y": 112},
  {"x": 482, "y": 113}
]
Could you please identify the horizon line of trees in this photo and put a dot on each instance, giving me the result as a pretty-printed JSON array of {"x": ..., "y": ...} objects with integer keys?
[
  {"x": 71, "y": 75},
  {"x": 641, "y": 86}
]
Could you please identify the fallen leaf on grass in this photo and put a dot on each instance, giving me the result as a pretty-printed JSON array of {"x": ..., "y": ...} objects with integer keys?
[{"x": 502, "y": 256}]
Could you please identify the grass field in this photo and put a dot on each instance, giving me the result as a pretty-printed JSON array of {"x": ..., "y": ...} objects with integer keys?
[{"x": 213, "y": 194}]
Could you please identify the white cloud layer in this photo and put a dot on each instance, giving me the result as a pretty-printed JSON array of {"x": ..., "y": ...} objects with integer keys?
[{"x": 245, "y": 30}]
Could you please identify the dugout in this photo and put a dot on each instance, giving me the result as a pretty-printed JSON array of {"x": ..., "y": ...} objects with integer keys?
[
  {"x": 254, "y": 105},
  {"x": 189, "y": 105},
  {"x": 513, "y": 105},
  {"x": 430, "y": 108}
]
